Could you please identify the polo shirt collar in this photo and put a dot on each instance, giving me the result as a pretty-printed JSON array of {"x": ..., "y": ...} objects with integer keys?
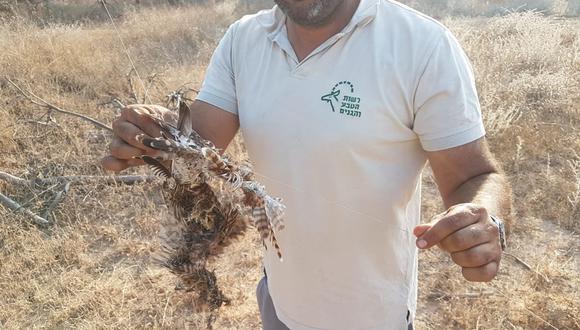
[{"x": 364, "y": 14}]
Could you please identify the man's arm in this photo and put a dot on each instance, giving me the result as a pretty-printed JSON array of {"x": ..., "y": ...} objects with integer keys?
[
  {"x": 212, "y": 123},
  {"x": 473, "y": 188},
  {"x": 470, "y": 174}
]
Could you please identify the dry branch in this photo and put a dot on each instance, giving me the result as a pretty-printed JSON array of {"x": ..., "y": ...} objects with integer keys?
[
  {"x": 12, "y": 205},
  {"x": 470, "y": 295},
  {"x": 33, "y": 98},
  {"x": 125, "y": 179},
  {"x": 527, "y": 266},
  {"x": 519, "y": 260}
]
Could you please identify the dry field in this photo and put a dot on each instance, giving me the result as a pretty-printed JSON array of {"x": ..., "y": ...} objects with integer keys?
[{"x": 91, "y": 268}]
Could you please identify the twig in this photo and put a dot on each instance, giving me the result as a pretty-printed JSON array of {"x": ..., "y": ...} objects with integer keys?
[
  {"x": 125, "y": 179},
  {"x": 12, "y": 179},
  {"x": 9, "y": 203},
  {"x": 37, "y": 196},
  {"x": 511, "y": 324},
  {"x": 58, "y": 197},
  {"x": 470, "y": 295},
  {"x": 37, "y": 122},
  {"x": 177, "y": 96},
  {"x": 115, "y": 102},
  {"x": 520, "y": 261},
  {"x": 33, "y": 98},
  {"x": 527, "y": 266}
]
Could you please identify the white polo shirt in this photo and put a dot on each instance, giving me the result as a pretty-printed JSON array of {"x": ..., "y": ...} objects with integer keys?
[{"x": 341, "y": 137}]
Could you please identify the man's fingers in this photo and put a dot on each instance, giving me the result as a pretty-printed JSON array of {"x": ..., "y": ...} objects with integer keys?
[
  {"x": 122, "y": 150},
  {"x": 420, "y": 229},
  {"x": 111, "y": 163},
  {"x": 484, "y": 273},
  {"x": 449, "y": 223},
  {"x": 129, "y": 132},
  {"x": 477, "y": 256},
  {"x": 140, "y": 116},
  {"x": 470, "y": 236},
  {"x": 135, "y": 121}
]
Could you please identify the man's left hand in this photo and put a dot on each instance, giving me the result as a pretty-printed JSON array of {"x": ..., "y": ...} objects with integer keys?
[{"x": 467, "y": 232}]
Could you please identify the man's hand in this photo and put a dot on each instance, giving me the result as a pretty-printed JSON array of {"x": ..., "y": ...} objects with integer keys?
[
  {"x": 134, "y": 121},
  {"x": 466, "y": 232}
]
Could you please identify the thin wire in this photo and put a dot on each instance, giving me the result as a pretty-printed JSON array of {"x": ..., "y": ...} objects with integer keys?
[
  {"x": 145, "y": 89},
  {"x": 327, "y": 200}
]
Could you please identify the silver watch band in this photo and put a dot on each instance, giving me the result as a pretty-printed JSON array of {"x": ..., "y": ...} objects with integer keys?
[{"x": 501, "y": 228}]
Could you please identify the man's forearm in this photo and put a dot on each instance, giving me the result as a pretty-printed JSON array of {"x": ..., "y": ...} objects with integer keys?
[{"x": 490, "y": 190}]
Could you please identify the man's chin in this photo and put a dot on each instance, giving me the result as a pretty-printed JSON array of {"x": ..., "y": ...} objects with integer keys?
[{"x": 309, "y": 13}]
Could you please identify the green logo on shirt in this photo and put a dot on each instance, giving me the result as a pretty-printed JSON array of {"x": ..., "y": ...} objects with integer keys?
[{"x": 343, "y": 100}]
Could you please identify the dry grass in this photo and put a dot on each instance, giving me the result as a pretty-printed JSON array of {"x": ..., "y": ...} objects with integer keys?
[
  {"x": 92, "y": 269},
  {"x": 445, "y": 8}
]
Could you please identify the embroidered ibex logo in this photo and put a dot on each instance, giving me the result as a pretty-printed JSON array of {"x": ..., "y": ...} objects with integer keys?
[
  {"x": 330, "y": 97},
  {"x": 342, "y": 98}
]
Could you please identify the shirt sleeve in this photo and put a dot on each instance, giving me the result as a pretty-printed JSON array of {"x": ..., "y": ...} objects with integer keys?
[
  {"x": 219, "y": 87},
  {"x": 446, "y": 106}
]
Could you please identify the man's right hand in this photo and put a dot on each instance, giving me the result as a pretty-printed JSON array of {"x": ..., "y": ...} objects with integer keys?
[{"x": 133, "y": 121}]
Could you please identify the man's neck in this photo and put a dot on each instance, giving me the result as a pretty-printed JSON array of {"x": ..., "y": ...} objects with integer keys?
[{"x": 305, "y": 39}]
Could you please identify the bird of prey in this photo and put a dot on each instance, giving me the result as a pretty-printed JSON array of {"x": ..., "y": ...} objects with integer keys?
[{"x": 211, "y": 200}]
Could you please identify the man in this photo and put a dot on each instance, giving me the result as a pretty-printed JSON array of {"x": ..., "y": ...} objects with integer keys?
[{"x": 341, "y": 103}]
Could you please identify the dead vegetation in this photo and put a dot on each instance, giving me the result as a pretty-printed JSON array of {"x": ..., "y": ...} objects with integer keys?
[{"x": 92, "y": 269}]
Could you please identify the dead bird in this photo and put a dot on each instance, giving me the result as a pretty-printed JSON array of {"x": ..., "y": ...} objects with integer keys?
[{"x": 211, "y": 200}]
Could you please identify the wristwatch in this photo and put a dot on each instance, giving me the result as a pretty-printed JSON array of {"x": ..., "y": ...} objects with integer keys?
[{"x": 501, "y": 227}]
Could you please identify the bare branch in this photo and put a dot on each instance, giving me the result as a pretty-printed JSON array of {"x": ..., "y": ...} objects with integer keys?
[
  {"x": 438, "y": 294},
  {"x": 124, "y": 179},
  {"x": 34, "y": 99},
  {"x": 13, "y": 179},
  {"x": 15, "y": 207}
]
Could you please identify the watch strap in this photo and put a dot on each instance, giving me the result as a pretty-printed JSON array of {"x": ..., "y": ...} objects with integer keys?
[{"x": 501, "y": 227}]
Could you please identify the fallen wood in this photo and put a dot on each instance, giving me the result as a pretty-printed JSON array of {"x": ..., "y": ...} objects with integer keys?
[
  {"x": 34, "y": 99},
  {"x": 12, "y": 179},
  {"x": 124, "y": 179},
  {"x": 15, "y": 207}
]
